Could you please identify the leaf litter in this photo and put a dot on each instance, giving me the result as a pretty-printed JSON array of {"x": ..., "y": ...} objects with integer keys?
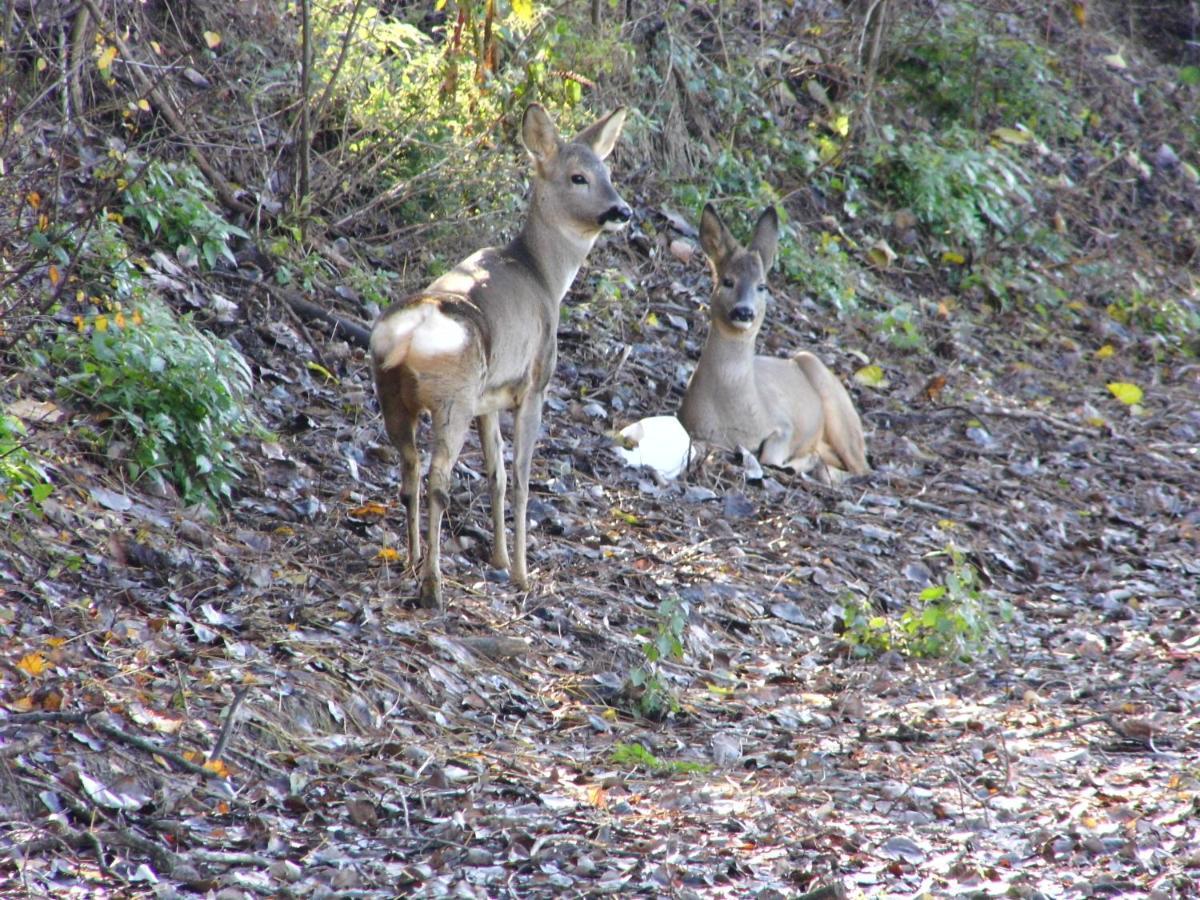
[{"x": 251, "y": 706}]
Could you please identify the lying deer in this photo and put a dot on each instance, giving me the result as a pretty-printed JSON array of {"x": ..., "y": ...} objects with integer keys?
[
  {"x": 791, "y": 412},
  {"x": 483, "y": 338}
]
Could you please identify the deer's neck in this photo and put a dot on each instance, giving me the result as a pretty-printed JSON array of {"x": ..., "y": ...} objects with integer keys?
[
  {"x": 554, "y": 253},
  {"x": 729, "y": 362}
]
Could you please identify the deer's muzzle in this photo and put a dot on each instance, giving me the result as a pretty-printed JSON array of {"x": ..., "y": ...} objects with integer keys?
[
  {"x": 615, "y": 217},
  {"x": 742, "y": 314}
]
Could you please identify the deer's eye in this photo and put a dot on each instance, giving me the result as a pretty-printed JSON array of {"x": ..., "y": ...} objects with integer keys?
[
  {"x": 727, "y": 281},
  {"x": 578, "y": 179},
  {"x": 763, "y": 286}
]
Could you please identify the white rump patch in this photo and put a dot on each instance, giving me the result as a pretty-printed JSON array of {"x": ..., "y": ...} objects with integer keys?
[{"x": 416, "y": 335}]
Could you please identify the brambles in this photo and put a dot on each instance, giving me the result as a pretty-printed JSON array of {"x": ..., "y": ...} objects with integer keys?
[{"x": 175, "y": 395}]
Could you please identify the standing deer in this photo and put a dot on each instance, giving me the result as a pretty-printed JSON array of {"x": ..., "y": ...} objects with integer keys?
[
  {"x": 791, "y": 412},
  {"x": 482, "y": 338}
]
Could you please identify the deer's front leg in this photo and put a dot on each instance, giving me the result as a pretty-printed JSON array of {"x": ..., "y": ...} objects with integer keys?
[
  {"x": 527, "y": 422},
  {"x": 493, "y": 463},
  {"x": 449, "y": 431}
]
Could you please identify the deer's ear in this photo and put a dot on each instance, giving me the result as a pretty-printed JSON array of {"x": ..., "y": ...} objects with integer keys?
[
  {"x": 602, "y": 134},
  {"x": 539, "y": 135},
  {"x": 715, "y": 239},
  {"x": 766, "y": 237}
]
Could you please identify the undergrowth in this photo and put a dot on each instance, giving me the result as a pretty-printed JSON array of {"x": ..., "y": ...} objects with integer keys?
[
  {"x": 170, "y": 398},
  {"x": 956, "y": 619},
  {"x": 23, "y": 477}
]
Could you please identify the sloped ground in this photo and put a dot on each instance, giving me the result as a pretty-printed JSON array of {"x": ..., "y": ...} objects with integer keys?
[{"x": 373, "y": 749}]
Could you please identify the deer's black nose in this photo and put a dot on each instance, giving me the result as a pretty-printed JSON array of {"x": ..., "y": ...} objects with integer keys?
[
  {"x": 619, "y": 213},
  {"x": 741, "y": 313}
]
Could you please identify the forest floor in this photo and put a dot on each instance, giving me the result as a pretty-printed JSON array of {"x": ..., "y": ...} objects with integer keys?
[{"x": 369, "y": 748}]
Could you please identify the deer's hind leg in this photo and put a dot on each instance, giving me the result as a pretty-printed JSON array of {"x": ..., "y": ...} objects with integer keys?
[
  {"x": 450, "y": 424},
  {"x": 842, "y": 444}
]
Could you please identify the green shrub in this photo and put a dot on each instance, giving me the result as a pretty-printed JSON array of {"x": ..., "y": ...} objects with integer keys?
[
  {"x": 21, "y": 475},
  {"x": 965, "y": 69},
  {"x": 959, "y": 191},
  {"x": 173, "y": 204},
  {"x": 653, "y": 695},
  {"x": 1176, "y": 321},
  {"x": 957, "y": 619},
  {"x": 175, "y": 394}
]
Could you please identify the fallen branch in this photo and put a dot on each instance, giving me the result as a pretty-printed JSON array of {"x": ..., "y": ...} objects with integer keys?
[
  {"x": 356, "y": 334},
  {"x": 1072, "y": 726},
  {"x": 98, "y": 722},
  {"x": 1053, "y": 421}
]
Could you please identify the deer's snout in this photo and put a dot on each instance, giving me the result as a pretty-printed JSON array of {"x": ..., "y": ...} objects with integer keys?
[
  {"x": 616, "y": 216},
  {"x": 742, "y": 314}
]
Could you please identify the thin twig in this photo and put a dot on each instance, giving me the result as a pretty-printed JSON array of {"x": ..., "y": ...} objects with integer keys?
[{"x": 218, "y": 749}]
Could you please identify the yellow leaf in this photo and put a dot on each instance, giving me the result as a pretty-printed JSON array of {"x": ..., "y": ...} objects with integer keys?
[
  {"x": 369, "y": 511},
  {"x": 1127, "y": 393},
  {"x": 841, "y": 125},
  {"x": 22, "y": 704},
  {"x": 523, "y": 10},
  {"x": 651, "y": 320},
  {"x": 597, "y": 796},
  {"x": 34, "y": 199},
  {"x": 1115, "y": 61},
  {"x": 880, "y": 254},
  {"x": 1079, "y": 11},
  {"x": 1105, "y": 352},
  {"x": 33, "y": 664},
  {"x": 55, "y": 642},
  {"x": 212, "y": 39},
  {"x": 320, "y": 370},
  {"x": 388, "y": 554},
  {"x": 102, "y": 323},
  {"x": 954, "y": 259},
  {"x": 871, "y": 376},
  {"x": 1016, "y": 136},
  {"x": 54, "y": 276},
  {"x": 144, "y": 105},
  {"x": 105, "y": 60},
  {"x": 217, "y": 767},
  {"x": 1096, "y": 421}
]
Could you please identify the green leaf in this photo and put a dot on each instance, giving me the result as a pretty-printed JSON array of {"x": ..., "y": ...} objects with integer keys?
[
  {"x": 935, "y": 592},
  {"x": 1189, "y": 75}
]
